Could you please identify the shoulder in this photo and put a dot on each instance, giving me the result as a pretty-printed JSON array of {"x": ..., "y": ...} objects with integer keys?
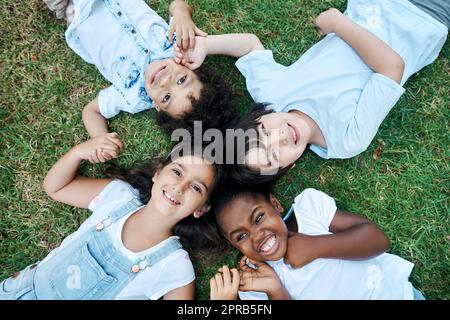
[
  {"x": 115, "y": 193},
  {"x": 310, "y": 196}
]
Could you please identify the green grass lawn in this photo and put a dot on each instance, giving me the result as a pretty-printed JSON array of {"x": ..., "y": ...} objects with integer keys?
[{"x": 44, "y": 87}]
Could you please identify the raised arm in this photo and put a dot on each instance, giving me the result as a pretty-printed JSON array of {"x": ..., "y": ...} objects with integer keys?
[
  {"x": 62, "y": 183},
  {"x": 231, "y": 44},
  {"x": 372, "y": 50},
  {"x": 353, "y": 238},
  {"x": 95, "y": 124},
  {"x": 182, "y": 24}
]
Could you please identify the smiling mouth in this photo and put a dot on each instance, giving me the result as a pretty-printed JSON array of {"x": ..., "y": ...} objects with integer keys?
[
  {"x": 171, "y": 199},
  {"x": 294, "y": 133},
  {"x": 157, "y": 74},
  {"x": 269, "y": 245}
]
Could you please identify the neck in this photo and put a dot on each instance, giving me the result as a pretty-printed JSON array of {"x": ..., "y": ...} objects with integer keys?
[{"x": 154, "y": 223}]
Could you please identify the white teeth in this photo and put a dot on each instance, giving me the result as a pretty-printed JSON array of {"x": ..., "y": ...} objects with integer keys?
[
  {"x": 172, "y": 199},
  {"x": 293, "y": 134},
  {"x": 268, "y": 244}
]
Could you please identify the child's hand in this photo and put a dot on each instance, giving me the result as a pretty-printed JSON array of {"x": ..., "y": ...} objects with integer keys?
[
  {"x": 99, "y": 149},
  {"x": 185, "y": 29},
  {"x": 327, "y": 20},
  {"x": 301, "y": 250},
  {"x": 225, "y": 284},
  {"x": 262, "y": 279},
  {"x": 191, "y": 58}
]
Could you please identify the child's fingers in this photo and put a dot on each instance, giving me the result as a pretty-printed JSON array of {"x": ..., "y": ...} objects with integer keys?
[
  {"x": 236, "y": 279},
  {"x": 199, "y": 32},
  {"x": 185, "y": 40},
  {"x": 108, "y": 154},
  {"x": 170, "y": 35},
  {"x": 191, "y": 65},
  {"x": 226, "y": 276},
  {"x": 191, "y": 39},
  {"x": 100, "y": 156},
  {"x": 94, "y": 157},
  {"x": 179, "y": 37},
  {"x": 213, "y": 286},
  {"x": 219, "y": 281}
]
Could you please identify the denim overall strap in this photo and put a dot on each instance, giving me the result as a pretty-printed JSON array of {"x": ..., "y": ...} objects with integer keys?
[
  {"x": 92, "y": 267},
  {"x": 127, "y": 25},
  {"x": 170, "y": 246}
]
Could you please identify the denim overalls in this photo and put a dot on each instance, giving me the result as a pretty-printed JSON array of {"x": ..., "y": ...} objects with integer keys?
[{"x": 88, "y": 268}]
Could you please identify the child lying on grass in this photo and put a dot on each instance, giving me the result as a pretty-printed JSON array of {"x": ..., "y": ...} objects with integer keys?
[{"x": 320, "y": 252}]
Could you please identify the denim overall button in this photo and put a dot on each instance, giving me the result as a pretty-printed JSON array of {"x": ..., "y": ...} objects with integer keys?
[
  {"x": 99, "y": 226},
  {"x": 119, "y": 13},
  {"x": 133, "y": 31},
  {"x": 135, "y": 268}
]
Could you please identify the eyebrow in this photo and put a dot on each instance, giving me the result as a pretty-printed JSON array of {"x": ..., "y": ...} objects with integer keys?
[
  {"x": 183, "y": 168},
  {"x": 230, "y": 235}
]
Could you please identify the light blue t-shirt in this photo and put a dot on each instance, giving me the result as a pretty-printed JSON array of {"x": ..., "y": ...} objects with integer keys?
[
  {"x": 120, "y": 38},
  {"x": 331, "y": 84}
]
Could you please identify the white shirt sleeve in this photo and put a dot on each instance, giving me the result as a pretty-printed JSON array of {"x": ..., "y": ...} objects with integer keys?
[
  {"x": 378, "y": 97},
  {"x": 314, "y": 211},
  {"x": 116, "y": 193},
  {"x": 253, "y": 295},
  {"x": 111, "y": 102},
  {"x": 259, "y": 69},
  {"x": 177, "y": 272}
]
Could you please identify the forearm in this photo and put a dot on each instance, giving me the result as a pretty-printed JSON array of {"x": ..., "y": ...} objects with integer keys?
[
  {"x": 180, "y": 7},
  {"x": 358, "y": 242},
  {"x": 232, "y": 44},
  {"x": 62, "y": 173},
  {"x": 95, "y": 124},
  {"x": 372, "y": 50},
  {"x": 279, "y": 292}
]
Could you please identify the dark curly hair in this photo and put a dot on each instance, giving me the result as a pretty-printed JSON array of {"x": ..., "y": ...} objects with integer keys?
[
  {"x": 215, "y": 106},
  {"x": 229, "y": 191},
  {"x": 239, "y": 171},
  {"x": 194, "y": 233}
]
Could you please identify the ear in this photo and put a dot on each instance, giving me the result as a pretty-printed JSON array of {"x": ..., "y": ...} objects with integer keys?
[
  {"x": 274, "y": 201},
  {"x": 156, "y": 175},
  {"x": 202, "y": 211}
]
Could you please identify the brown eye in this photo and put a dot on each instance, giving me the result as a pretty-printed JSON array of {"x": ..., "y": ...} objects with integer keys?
[
  {"x": 259, "y": 218},
  {"x": 166, "y": 98},
  {"x": 181, "y": 80},
  {"x": 241, "y": 237}
]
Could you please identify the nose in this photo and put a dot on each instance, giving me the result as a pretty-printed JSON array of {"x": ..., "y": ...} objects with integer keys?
[
  {"x": 257, "y": 238},
  {"x": 180, "y": 187},
  {"x": 166, "y": 80},
  {"x": 283, "y": 136}
]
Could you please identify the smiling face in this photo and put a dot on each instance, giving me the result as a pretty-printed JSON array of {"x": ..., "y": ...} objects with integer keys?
[
  {"x": 254, "y": 226},
  {"x": 171, "y": 86},
  {"x": 182, "y": 187},
  {"x": 284, "y": 137}
]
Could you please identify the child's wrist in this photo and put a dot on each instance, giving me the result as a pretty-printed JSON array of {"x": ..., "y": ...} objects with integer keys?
[{"x": 74, "y": 154}]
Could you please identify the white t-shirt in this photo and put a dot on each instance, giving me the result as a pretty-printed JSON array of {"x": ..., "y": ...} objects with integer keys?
[
  {"x": 332, "y": 84},
  {"x": 174, "y": 271},
  {"x": 384, "y": 277}
]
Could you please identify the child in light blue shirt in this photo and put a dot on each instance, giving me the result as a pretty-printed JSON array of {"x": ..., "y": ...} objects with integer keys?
[{"x": 335, "y": 96}]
